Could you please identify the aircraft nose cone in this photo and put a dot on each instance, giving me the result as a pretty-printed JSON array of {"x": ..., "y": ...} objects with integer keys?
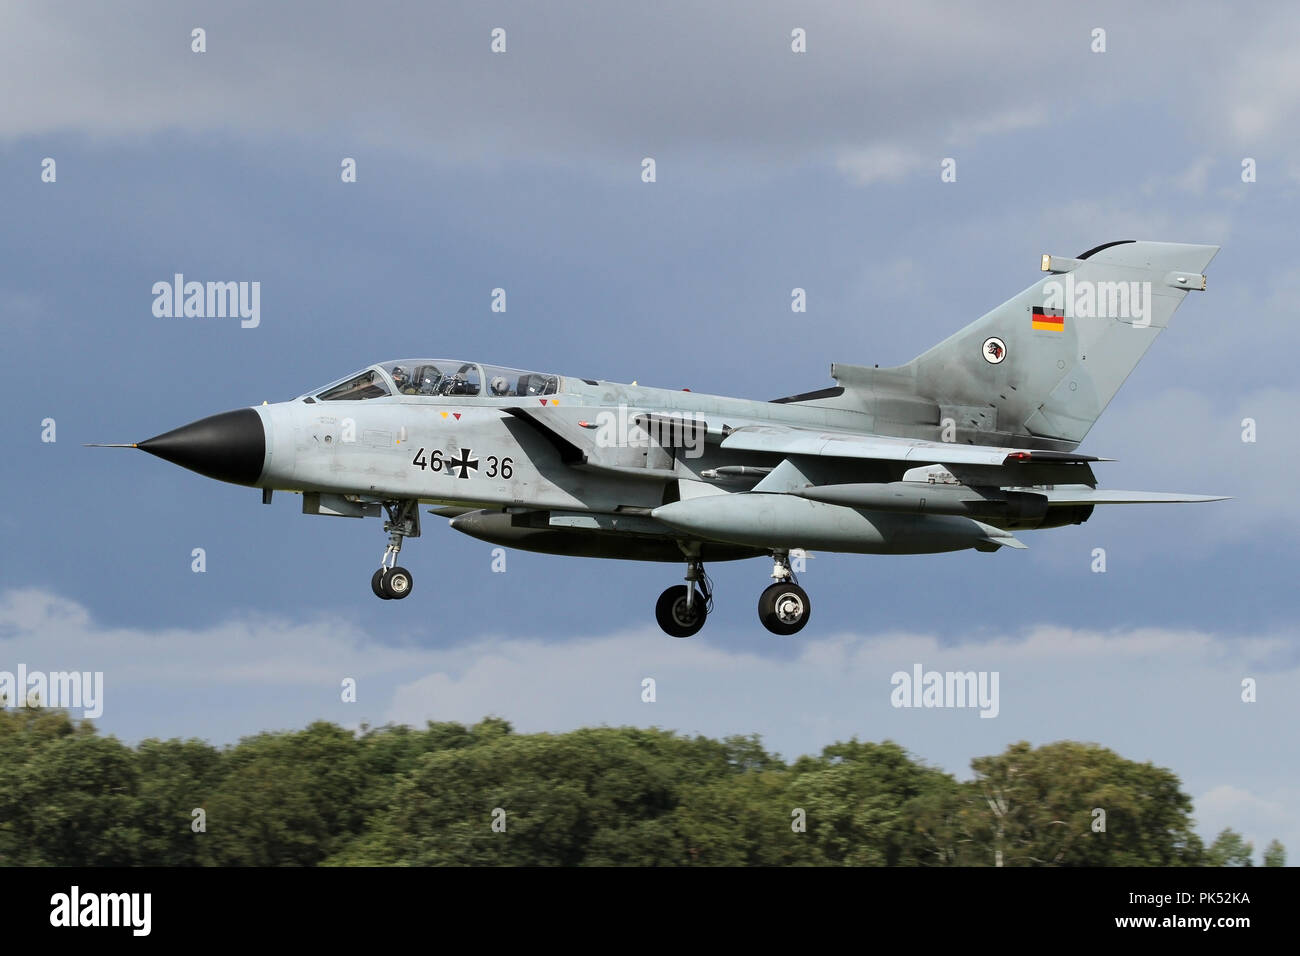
[{"x": 229, "y": 447}]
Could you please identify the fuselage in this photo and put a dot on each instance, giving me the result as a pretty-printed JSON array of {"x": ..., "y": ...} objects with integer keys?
[
  {"x": 581, "y": 466},
  {"x": 369, "y": 446},
  {"x": 592, "y": 468}
]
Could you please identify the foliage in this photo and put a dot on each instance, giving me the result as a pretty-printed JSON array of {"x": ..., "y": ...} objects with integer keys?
[
  {"x": 1229, "y": 849},
  {"x": 456, "y": 795}
]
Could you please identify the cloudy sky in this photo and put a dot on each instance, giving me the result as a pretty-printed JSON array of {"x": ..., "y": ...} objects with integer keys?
[{"x": 521, "y": 170}]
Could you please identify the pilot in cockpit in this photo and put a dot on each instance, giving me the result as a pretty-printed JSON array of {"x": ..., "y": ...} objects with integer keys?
[
  {"x": 459, "y": 383},
  {"x": 429, "y": 381},
  {"x": 402, "y": 380}
]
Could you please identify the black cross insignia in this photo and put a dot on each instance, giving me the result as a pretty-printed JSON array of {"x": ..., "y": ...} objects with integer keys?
[{"x": 464, "y": 464}]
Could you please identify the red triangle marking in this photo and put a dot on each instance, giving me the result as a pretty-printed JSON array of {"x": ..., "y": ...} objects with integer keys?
[
  {"x": 457, "y": 415},
  {"x": 542, "y": 400}
]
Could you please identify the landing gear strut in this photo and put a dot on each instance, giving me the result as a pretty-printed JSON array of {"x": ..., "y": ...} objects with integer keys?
[
  {"x": 784, "y": 606},
  {"x": 391, "y": 582},
  {"x": 682, "y": 609}
]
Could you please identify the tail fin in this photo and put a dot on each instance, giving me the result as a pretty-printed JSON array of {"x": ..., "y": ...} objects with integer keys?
[{"x": 1040, "y": 368}]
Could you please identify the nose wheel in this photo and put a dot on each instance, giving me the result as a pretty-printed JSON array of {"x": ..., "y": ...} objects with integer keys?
[
  {"x": 390, "y": 582},
  {"x": 783, "y": 607}
]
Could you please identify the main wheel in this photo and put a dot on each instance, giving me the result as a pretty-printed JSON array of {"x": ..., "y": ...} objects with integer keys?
[
  {"x": 377, "y": 584},
  {"x": 784, "y": 608},
  {"x": 673, "y": 615},
  {"x": 397, "y": 583}
]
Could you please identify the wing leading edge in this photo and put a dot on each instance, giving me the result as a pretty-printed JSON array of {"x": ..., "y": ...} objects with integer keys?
[{"x": 1067, "y": 476}]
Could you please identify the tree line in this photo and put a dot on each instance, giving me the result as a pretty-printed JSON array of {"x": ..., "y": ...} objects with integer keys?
[{"x": 450, "y": 794}]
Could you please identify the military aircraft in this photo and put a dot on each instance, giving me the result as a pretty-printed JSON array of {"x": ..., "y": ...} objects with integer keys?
[{"x": 961, "y": 447}]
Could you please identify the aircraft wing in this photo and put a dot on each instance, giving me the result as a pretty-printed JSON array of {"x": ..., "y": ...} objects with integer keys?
[
  {"x": 790, "y": 440},
  {"x": 1062, "y": 478},
  {"x": 1102, "y": 496}
]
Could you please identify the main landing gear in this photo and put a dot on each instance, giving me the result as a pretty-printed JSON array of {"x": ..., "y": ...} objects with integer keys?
[
  {"x": 783, "y": 607},
  {"x": 681, "y": 610},
  {"x": 391, "y": 582}
]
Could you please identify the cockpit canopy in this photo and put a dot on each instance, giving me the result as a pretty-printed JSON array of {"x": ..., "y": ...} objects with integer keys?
[
  {"x": 439, "y": 377},
  {"x": 367, "y": 384}
]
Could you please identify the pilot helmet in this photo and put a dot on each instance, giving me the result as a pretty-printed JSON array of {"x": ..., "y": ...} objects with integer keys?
[
  {"x": 399, "y": 374},
  {"x": 498, "y": 385}
]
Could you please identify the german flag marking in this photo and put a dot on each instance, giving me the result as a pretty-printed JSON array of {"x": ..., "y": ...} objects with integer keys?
[{"x": 1047, "y": 320}]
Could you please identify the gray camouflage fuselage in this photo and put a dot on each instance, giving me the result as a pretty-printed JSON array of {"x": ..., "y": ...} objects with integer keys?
[{"x": 957, "y": 449}]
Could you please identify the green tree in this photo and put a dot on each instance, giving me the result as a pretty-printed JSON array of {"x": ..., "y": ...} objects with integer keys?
[
  {"x": 1274, "y": 854},
  {"x": 76, "y": 803},
  {"x": 612, "y": 796},
  {"x": 857, "y": 796},
  {"x": 1229, "y": 849},
  {"x": 1037, "y": 808},
  {"x": 600, "y": 795},
  {"x": 286, "y": 799},
  {"x": 744, "y": 819},
  {"x": 176, "y": 777}
]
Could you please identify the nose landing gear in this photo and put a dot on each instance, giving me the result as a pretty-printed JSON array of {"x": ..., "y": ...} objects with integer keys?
[{"x": 390, "y": 582}]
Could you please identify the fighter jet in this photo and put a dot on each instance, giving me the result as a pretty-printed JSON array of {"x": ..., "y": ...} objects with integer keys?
[{"x": 961, "y": 448}]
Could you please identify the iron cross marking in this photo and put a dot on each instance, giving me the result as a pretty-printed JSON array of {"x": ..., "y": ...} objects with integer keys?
[{"x": 464, "y": 464}]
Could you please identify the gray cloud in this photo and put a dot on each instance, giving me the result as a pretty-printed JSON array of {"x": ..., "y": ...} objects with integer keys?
[{"x": 881, "y": 88}]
